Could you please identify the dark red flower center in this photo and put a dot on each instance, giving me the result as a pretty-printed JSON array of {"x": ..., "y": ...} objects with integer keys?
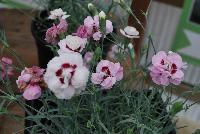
[
  {"x": 162, "y": 62},
  {"x": 173, "y": 68},
  {"x": 66, "y": 65},
  {"x": 76, "y": 50},
  {"x": 106, "y": 71},
  {"x": 60, "y": 71}
]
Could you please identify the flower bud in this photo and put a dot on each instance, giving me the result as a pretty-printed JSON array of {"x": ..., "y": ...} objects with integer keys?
[
  {"x": 102, "y": 15},
  {"x": 92, "y": 9},
  {"x": 90, "y": 6}
]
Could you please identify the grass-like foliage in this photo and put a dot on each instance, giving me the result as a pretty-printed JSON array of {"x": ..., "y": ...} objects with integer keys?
[{"x": 117, "y": 111}]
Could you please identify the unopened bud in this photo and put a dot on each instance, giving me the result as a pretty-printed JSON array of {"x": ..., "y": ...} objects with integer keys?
[{"x": 102, "y": 15}]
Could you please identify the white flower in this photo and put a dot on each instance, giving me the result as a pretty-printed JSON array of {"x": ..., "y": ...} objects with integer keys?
[
  {"x": 66, "y": 76},
  {"x": 72, "y": 44},
  {"x": 102, "y": 15},
  {"x": 130, "y": 32},
  {"x": 58, "y": 13}
]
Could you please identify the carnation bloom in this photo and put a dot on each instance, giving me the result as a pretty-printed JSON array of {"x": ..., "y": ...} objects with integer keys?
[
  {"x": 107, "y": 74},
  {"x": 62, "y": 26},
  {"x": 167, "y": 68},
  {"x": 51, "y": 35},
  {"x": 30, "y": 82},
  {"x": 58, "y": 14},
  {"x": 92, "y": 23},
  {"x": 54, "y": 31},
  {"x": 130, "y": 32},
  {"x": 66, "y": 76},
  {"x": 72, "y": 44},
  {"x": 83, "y": 32},
  {"x": 6, "y": 68},
  {"x": 92, "y": 27}
]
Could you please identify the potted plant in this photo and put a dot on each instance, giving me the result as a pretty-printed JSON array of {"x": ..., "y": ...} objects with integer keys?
[{"x": 79, "y": 91}]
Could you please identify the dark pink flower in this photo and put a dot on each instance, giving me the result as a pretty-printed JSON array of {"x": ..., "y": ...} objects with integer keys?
[
  {"x": 51, "y": 35},
  {"x": 83, "y": 32},
  {"x": 31, "y": 79},
  {"x": 53, "y": 32},
  {"x": 62, "y": 26}
]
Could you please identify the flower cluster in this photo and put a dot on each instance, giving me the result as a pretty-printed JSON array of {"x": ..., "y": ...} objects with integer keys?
[
  {"x": 91, "y": 27},
  {"x": 6, "y": 68},
  {"x": 67, "y": 74},
  {"x": 167, "y": 68},
  {"x": 30, "y": 82}
]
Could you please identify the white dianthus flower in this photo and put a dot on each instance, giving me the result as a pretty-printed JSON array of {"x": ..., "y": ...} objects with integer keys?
[
  {"x": 58, "y": 13},
  {"x": 66, "y": 76},
  {"x": 130, "y": 32},
  {"x": 72, "y": 44}
]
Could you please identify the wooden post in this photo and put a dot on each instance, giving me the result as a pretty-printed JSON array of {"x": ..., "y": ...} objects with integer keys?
[{"x": 138, "y": 7}]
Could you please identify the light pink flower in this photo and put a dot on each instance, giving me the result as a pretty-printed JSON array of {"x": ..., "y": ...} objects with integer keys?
[
  {"x": 89, "y": 21},
  {"x": 32, "y": 92},
  {"x": 92, "y": 27},
  {"x": 83, "y": 32},
  {"x": 30, "y": 78},
  {"x": 97, "y": 36},
  {"x": 107, "y": 74},
  {"x": 6, "y": 68},
  {"x": 92, "y": 23},
  {"x": 167, "y": 68},
  {"x": 109, "y": 27},
  {"x": 62, "y": 26}
]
